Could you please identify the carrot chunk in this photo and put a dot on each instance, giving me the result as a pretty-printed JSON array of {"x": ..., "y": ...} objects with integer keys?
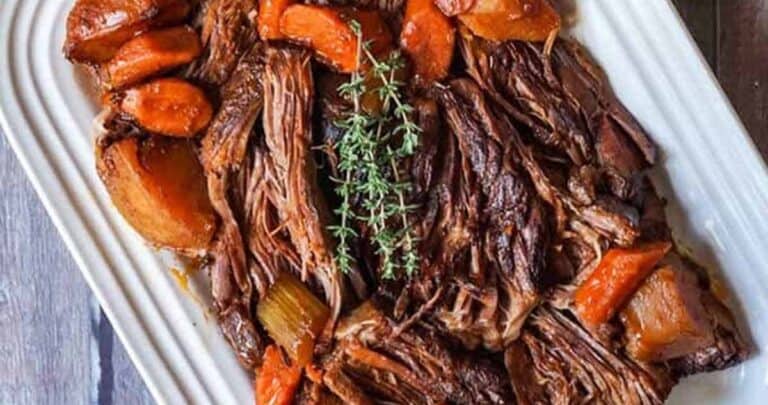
[
  {"x": 270, "y": 12},
  {"x": 428, "y": 38},
  {"x": 168, "y": 106},
  {"x": 277, "y": 380},
  {"x": 97, "y": 28},
  {"x": 503, "y": 20},
  {"x": 614, "y": 280},
  {"x": 152, "y": 53},
  {"x": 326, "y": 30}
]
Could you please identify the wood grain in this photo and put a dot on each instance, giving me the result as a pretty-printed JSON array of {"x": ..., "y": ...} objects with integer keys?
[
  {"x": 701, "y": 18},
  {"x": 44, "y": 319},
  {"x": 56, "y": 346},
  {"x": 742, "y": 63}
]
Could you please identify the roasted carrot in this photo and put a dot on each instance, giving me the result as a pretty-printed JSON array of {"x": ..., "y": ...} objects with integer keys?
[
  {"x": 326, "y": 30},
  {"x": 97, "y": 28},
  {"x": 314, "y": 373},
  {"x": 428, "y": 38},
  {"x": 168, "y": 106},
  {"x": 503, "y": 20},
  {"x": 152, "y": 53},
  {"x": 276, "y": 380},
  {"x": 270, "y": 12},
  {"x": 616, "y": 278}
]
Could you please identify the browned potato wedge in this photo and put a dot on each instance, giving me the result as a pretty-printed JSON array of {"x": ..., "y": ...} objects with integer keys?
[
  {"x": 97, "y": 28},
  {"x": 666, "y": 318},
  {"x": 159, "y": 187},
  {"x": 504, "y": 20},
  {"x": 168, "y": 106}
]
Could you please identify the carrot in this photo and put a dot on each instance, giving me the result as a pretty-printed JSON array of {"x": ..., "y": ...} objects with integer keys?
[
  {"x": 326, "y": 30},
  {"x": 614, "y": 281},
  {"x": 503, "y": 20},
  {"x": 314, "y": 373},
  {"x": 168, "y": 106},
  {"x": 152, "y": 53},
  {"x": 270, "y": 12},
  {"x": 97, "y": 28},
  {"x": 427, "y": 37},
  {"x": 276, "y": 381}
]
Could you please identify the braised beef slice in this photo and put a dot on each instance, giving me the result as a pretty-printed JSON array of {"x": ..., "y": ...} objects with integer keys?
[
  {"x": 228, "y": 32},
  {"x": 374, "y": 363},
  {"x": 728, "y": 348},
  {"x": 288, "y": 95},
  {"x": 566, "y": 104},
  {"x": 517, "y": 74},
  {"x": 500, "y": 283},
  {"x": 556, "y": 361},
  {"x": 224, "y": 144},
  {"x": 569, "y": 119},
  {"x": 223, "y": 153}
]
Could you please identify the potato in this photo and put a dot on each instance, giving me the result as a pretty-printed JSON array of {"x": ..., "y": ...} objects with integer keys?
[
  {"x": 97, "y": 28},
  {"x": 666, "y": 318},
  {"x": 158, "y": 186},
  {"x": 504, "y": 20},
  {"x": 168, "y": 106}
]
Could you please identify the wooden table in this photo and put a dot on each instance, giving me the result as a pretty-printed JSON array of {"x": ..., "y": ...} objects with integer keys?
[{"x": 57, "y": 347}]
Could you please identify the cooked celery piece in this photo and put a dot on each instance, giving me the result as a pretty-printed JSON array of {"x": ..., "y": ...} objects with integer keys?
[{"x": 293, "y": 317}]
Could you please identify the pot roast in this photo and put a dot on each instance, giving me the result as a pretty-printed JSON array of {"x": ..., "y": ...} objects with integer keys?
[{"x": 546, "y": 269}]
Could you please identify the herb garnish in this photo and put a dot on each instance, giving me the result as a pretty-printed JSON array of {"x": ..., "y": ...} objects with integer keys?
[{"x": 369, "y": 166}]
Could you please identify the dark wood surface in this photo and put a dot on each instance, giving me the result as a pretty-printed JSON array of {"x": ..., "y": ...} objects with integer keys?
[{"x": 56, "y": 347}]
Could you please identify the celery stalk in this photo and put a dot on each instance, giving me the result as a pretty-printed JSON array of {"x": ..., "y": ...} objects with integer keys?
[{"x": 293, "y": 317}]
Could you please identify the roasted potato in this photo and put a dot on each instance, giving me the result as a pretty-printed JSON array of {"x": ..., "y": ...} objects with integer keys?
[
  {"x": 152, "y": 53},
  {"x": 157, "y": 184},
  {"x": 97, "y": 28},
  {"x": 666, "y": 317},
  {"x": 503, "y": 20},
  {"x": 167, "y": 106}
]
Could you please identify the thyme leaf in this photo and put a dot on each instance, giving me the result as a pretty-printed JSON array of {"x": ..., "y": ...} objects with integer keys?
[{"x": 370, "y": 151}]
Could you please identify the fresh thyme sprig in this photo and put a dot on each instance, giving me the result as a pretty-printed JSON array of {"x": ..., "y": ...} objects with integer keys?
[{"x": 369, "y": 164}]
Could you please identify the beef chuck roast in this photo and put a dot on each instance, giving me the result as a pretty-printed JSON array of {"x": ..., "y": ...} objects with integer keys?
[
  {"x": 288, "y": 94},
  {"x": 555, "y": 361},
  {"x": 527, "y": 171},
  {"x": 223, "y": 153},
  {"x": 500, "y": 282},
  {"x": 228, "y": 31},
  {"x": 373, "y": 363}
]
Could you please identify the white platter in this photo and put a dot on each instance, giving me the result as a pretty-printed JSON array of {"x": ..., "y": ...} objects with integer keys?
[{"x": 720, "y": 193}]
